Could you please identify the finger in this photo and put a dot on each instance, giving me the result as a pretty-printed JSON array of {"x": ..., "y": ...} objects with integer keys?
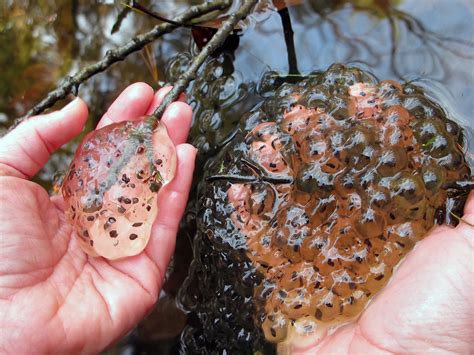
[
  {"x": 159, "y": 96},
  {"x": 132, "y": 103},
  {"x": 177, "y": 117},
  {"x": 172, "y": 201},
  {"x": 469, "y": 207},
  {"x": 466, "y": 224},
  {"x": 26, "y": 149}
]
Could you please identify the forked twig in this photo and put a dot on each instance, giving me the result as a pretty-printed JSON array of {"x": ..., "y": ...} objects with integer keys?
[{"x": 216, "y": 41}]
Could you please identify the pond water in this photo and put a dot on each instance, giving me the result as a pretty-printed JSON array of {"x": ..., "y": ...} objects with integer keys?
[{"x": 429, "y": 43}]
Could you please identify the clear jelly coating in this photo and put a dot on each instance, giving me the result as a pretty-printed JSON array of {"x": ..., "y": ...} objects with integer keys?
[
  {"x": 314, "y": 203},
  {"x": 111, "y": 187}
]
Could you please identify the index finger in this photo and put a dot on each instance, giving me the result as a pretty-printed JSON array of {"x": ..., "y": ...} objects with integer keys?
[{"x": 177, "y": 116}]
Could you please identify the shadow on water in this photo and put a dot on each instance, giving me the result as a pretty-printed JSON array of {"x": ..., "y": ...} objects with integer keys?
[{"x": 428, "y": 43}]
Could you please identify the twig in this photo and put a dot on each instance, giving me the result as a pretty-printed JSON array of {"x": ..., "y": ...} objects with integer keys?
[
  {"x": 460, "y": 219},
  {"x": 216, "y": 41},
  {"x": 139, "y": 8},
  {"x": 121, "y": 16},
  {"x": 274, "y": 179},
  {"x": 71, "y": 83},
  {"x": 290, "y": 43}
]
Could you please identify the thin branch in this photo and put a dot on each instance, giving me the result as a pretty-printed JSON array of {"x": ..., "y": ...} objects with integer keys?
[
  {"x": 460, "y": 219},
  {"x": 259, "y": 177},
  {"x": 232, "y": 178},
  {"x": 71, "y": 83},
  {"x": 139, "y": 8},
  {"x": 289, "y": 40},
  {"x": 216, "y": 41},
  {"x": 274, "y": 179},
  {"x": 121, "y": 16}
]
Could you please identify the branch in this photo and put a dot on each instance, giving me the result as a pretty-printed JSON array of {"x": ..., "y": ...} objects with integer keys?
[
  {"x": 216, "y": 41},
  {"x": 71, "y": 83},
  {"x": 290, "y": 43},
  {"x": 275, "y": 179}
]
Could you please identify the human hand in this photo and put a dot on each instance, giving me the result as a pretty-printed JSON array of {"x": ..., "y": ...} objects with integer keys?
[
  {"x": 54, "y": 297},
  {"x": 427, "y": 305}
]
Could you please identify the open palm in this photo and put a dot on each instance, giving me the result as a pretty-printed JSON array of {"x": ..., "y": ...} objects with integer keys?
[
  {"x": 426, "y": 307},
  {"x": 53, "y": 296}
]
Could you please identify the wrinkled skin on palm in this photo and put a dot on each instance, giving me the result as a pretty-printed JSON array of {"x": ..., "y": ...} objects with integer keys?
[
  {"x": 111, "y": 187},
  {"x": 306, "y": 213}
]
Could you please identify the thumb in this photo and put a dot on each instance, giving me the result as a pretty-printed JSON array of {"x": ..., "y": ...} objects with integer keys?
[{"x": 26, "y": 149}]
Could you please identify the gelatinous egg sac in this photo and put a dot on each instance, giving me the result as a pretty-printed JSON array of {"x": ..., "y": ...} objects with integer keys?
[
  {"x": 111, "y": 187},
  {"x": 306, "y": 212}
]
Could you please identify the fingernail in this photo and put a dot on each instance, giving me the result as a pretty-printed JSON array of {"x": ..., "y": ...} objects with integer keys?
[{"x": 70, "y": 105}]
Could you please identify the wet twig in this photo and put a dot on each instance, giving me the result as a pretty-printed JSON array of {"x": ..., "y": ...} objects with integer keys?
[
  {"x": 460, "y": 219},
  {"x": 71, "y": 83},
  {"x": 216, "y": 41},
  {"x": 274, "y": 179},
  {"x": 258, "y": 177},
  {"x": 121, "y": 16},
  {"x": 289, "y": 40}
]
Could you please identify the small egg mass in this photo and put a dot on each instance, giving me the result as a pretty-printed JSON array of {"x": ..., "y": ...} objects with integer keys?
[{"x": 111, "y": 187}]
